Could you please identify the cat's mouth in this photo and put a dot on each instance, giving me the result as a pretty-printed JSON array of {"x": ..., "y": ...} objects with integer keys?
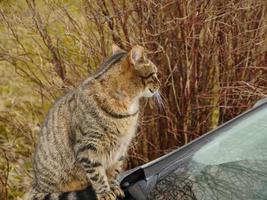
[{"x": 151, "y": 91}]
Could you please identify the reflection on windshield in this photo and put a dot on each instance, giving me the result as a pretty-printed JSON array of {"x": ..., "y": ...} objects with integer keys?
[
  {"x": 241, "y": 141},
  {"x": 246, "y": 180},
  {"x": 233, "y": 166}
]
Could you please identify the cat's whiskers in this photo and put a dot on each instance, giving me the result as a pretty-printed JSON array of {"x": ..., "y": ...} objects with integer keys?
[{"x": 159, "y": 99}]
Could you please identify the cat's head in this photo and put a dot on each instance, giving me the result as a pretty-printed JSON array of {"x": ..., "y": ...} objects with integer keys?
[
  {"x": 126, "y": 77},
  {"x": 137, "y": 74}
]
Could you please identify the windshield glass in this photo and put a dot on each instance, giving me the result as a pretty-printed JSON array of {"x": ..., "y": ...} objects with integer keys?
[{"x": 232, "y": 165}]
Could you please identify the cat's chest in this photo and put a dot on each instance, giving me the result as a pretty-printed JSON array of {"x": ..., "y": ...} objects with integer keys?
[
  {"x": 119, "y": 147},
  {"x": 127, "y": 127},
  {"x": 115, "y": 152}
]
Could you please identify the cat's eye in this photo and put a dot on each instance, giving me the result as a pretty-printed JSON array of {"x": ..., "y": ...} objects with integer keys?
[
  {"x": 148, "y": 76},
  {"x": 147, "y": 64},
  {"x": 154, "y": 78}
]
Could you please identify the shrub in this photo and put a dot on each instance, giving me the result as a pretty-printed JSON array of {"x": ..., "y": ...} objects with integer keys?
[{"x": 211, "y": 57}]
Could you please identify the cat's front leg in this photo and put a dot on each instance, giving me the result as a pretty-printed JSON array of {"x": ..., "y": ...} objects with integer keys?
[
  {"x": 112, "y": 174},
  {"x": 96, "y": 175}
]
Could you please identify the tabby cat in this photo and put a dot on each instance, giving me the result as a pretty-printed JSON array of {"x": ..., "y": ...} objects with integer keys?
[{"x": 87, "y": 132}]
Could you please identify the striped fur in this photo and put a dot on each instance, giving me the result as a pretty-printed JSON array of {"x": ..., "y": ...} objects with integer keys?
[
  {"x": 87, "y": 132},
  {"x": 88, "y": 193}
]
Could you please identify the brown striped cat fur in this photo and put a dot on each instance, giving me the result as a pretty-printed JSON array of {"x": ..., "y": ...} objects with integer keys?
[{"x": 87, "y": 132}]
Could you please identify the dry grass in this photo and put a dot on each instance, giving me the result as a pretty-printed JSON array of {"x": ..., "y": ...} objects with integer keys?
[{"x": 211, "y": 56}]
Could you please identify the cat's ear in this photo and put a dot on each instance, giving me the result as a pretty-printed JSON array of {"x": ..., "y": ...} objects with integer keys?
[
  {"x": 136, "y": 54},
  {"x": 116, "y": 49}
]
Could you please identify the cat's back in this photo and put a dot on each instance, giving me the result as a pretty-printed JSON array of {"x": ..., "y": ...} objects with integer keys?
[
  {"x": 54, "y": 140},
  {"x": 59, "y": 115}
]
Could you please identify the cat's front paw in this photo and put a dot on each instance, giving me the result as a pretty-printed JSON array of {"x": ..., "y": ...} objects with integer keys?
[
  {"x": 117, "y": 191},
  {"x": 108, "y": 195}
]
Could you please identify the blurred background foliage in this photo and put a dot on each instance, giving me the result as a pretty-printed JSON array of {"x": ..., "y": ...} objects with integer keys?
[{"x": 211, "y": 55}]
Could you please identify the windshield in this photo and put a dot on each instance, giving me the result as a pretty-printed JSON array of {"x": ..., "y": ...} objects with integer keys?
[{"x": 232, "y": 165}]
